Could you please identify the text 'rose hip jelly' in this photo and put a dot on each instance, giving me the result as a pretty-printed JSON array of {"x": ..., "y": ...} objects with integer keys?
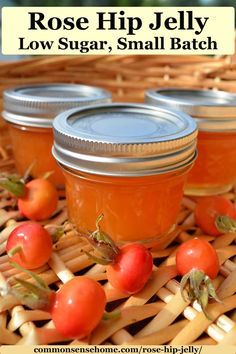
[
  {"x": 127, "y": 161},
  {"x": 30, "y": 110},
  {"x": 214, "y": 171}
]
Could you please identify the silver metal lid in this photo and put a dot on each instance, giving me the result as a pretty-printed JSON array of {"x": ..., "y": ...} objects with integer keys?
[
  {"x": 122, "y": 139},
  {"x": 37, "y": 105},
  {"x": 214, "y": 110}
]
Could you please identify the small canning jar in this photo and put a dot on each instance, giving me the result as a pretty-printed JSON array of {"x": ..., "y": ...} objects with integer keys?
[
  {"x": 214, "y": 171},
  {"x": 29, "y": 112},
  {"x": 129, "y": 162}
]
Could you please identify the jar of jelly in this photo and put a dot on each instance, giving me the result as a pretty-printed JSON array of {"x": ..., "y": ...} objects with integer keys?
[
  {"x": 128, "y": 162},
  {"x": 29, "y": 112},
  {"x": 214, "y": 171}
]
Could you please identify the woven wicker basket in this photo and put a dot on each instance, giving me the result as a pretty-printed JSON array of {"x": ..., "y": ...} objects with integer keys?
[{"x": 158, "y": 314}]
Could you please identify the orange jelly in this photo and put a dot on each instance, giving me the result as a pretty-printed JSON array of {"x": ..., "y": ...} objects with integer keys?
[
  {"x": 214, "y": 171},
  {"x": 128, "y": 162},
  {"x": 29, "y": 112},
  {"x": 134, "y": 208},
  {"x": 217, "y": 158},
  {"x": 33, "y": 145}
]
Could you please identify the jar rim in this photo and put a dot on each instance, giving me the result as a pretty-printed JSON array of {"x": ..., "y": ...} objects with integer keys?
[
  {"x": 195, "y": 102},
  {"x": 78, "y": 171},
  {"x": 37, "y": 105},
  {"x": 216, "y": 125},
  {"x": 124, "y": 139}
]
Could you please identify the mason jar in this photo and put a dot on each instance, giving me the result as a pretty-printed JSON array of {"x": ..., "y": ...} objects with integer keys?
[
  {"x": 29, "y": 112},
  {"x": 214, "y": 171},
  {"x": 128, "y": 162}
]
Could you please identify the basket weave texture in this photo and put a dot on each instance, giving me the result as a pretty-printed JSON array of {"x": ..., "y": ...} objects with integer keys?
[{"x": 158, "y": 314}]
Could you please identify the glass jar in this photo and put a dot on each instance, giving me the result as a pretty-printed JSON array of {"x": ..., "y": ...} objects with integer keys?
[
  {"x": 4, "y": 133},
  {"x": 29, "y": 112},
  {"x": 214, "y": 171},
  {"x": 128, "y": 162}
]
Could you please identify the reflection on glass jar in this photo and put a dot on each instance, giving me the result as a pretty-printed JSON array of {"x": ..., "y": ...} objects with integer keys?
[
  {"x": 128, "y": 162},
  {"x": 134, "y": 208},
  {"x": 33, "y": 145},
  {"x": 214, "y": 171},
  {"x": 215, "y": 168},
  {"x": 29, "y": 112}
]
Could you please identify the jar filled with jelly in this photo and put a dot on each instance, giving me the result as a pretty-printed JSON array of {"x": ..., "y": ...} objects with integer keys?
[
  {"x": 29, "y": 112},
  {"x": 128, "y": 162},
  {"x": 214, "y": 171}
]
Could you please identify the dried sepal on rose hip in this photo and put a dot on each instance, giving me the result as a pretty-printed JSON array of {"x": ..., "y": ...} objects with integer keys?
[
  {"x": 76, "y": 308},
  {"x": 128, "y": 267},
  {"x": 13, "y": 184},
  {"x": 37, "y": 199},
  {"x": 225, "y": 224},
  {"x": 35, "y": 295},
  {"x": 198, "y": 264},
  {"x": 215, "y": 215}
]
